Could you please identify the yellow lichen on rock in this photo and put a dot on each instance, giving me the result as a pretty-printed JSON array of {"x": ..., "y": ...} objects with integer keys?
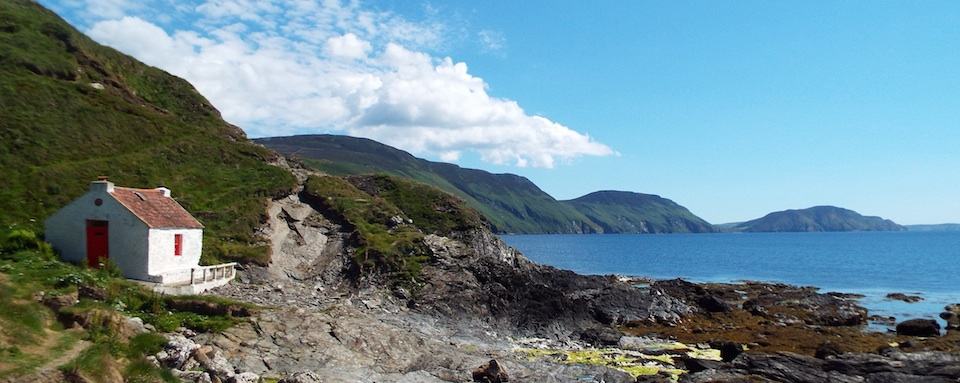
[
  {"x": 632, "y": 362},
  {"x": 704, "y": 353}
]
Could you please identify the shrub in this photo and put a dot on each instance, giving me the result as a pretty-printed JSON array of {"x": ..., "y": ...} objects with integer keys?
[{"x": 19, "y": 239}]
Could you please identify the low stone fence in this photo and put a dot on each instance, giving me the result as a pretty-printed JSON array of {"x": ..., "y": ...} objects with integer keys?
[
  {"x": 205, "y": 274},
  {"x": 192, "y": 281}
]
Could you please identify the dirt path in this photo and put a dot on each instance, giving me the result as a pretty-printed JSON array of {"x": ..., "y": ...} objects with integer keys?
[{"x": 49, "y": 371}]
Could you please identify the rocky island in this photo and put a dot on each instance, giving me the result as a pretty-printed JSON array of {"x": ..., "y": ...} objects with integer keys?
[{"x": 814, "y": 219}]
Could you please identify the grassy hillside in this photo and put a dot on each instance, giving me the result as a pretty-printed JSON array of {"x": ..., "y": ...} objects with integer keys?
[
  {"x": 56, "y": 315},
  {"x": 511, "y": 203},
  {"x": 388, "y": 217},
  {"x": 626, "y": 212},
  {"x": 71, "y": 110},
  {"x": 817, "y": 218}
]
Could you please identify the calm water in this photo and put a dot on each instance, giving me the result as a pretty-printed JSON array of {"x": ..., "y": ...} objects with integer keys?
[{"x": 873, "y": 264}]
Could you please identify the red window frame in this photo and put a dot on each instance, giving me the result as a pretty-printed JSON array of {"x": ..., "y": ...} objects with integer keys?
[{"x": 178, "y": 245}]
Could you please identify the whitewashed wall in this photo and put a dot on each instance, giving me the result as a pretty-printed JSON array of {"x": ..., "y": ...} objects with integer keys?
[
  {"x": 162, "y": 260},
  {"x": 66, "y": 230}
]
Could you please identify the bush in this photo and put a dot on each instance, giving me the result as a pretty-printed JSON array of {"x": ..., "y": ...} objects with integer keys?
[{"x": 19, "y": 239}]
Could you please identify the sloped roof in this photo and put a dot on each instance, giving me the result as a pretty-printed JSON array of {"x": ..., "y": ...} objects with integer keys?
[{"x": 155, "y": 209}]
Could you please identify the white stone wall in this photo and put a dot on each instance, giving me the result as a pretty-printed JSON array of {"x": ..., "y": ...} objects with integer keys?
[
  {"x": 163, "y": 262},
  {"x": 66, "y": 230}
]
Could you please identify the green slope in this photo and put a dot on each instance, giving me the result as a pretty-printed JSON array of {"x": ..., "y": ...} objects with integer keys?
[
  {"x": 627, "y": 212},
  {"x": 511, "y": 203},
  {"x": 817, "y": 218},
  {"x": 59, "y": 130},
  {"x": 389, "y": 217}
]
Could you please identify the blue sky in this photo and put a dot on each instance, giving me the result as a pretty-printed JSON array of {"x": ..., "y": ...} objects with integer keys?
[{"x": 733, "y": 109}]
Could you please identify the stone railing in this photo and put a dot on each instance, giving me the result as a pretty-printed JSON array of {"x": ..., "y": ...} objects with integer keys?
[{"x": 205, "y": 274}]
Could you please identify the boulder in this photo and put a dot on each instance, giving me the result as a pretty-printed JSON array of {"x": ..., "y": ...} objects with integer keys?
[
  {"x": 712, "y": 304},
  {"x": 728, "y": 350},
  {"x": 827, "y": 349},
  {"x": 134, "y": 326},
  {"x": 57, "y": 302},
  {"x": 904, "y": 297},
  {"x": 177, "y": 350},
  {"x": 213, "y": 361},
  {"x": 884, "y": 320},
  {"x": 601, "y": 336},
  {"x": 919, "y": 327},
  {"x": 660, "y": 377},
  {"x": 753, "y": 307},
  {"x": 694, "y": 365},
  {"x": 245, "y": 377},
  {"x": 951, "y": 314},
  {"x": 189, "y": 376},
  {"x": 301, "y": 377},
  {"x": 490, "y": 372}
]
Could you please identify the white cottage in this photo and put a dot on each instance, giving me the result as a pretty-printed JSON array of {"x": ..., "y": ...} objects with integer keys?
[{"x": 145, "y": 232}]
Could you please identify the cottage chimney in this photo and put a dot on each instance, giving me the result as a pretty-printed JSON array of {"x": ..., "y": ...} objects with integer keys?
[
  {"x": 164, "y": 190},
  {"x": 102, "y": 185}
]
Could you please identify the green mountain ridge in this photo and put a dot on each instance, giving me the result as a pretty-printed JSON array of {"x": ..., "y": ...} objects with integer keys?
[
  {"x": 72, "y": 110},
  {"x": 629, "y": 212},
  {"x": 512, "y": 204},
  {"x": 814, "y": 219}
]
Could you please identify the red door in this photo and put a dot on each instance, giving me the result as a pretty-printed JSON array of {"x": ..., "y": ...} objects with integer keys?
[{"x": 97, "y": 242}]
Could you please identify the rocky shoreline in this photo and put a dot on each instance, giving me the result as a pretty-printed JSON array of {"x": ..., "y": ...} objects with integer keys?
[
  {"x": 480, "y": 311},
  {"x": 483, "y": 312}
]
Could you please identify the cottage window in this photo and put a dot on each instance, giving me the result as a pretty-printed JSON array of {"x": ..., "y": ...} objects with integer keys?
[{"x": 178, "y": 244}]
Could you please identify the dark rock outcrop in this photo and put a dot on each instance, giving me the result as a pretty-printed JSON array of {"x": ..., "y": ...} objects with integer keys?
[
  {"x": 951, "y": 314},
  {"x": 884, "y": 320},
  {"x": 601, "y": 336},
  {"x": 826, "y": 350},
  {"x": 762, "y": 298},
  {"x": 904, "y": 297},
  {"x": 694, "y": 365},
  {"x": 892, "y": 366},
  {"x": 728, "y": 350},
  {"x": 661, "y": 377},
  {"x": 490, "y": 372},
  {"x": 919, "y": 327},
  {"x": 713, "y": 304},
  {"x": 477, "y": 275}
]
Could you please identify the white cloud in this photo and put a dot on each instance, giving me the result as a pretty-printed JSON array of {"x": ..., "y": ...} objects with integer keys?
[
  {"x": 308, "y": 67},
  {"x": 347, "y": 46},
  {"x": 492, "y": 41}
]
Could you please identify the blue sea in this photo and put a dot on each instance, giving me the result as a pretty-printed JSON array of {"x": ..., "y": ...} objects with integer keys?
[{"x": 869, "y": 263}]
